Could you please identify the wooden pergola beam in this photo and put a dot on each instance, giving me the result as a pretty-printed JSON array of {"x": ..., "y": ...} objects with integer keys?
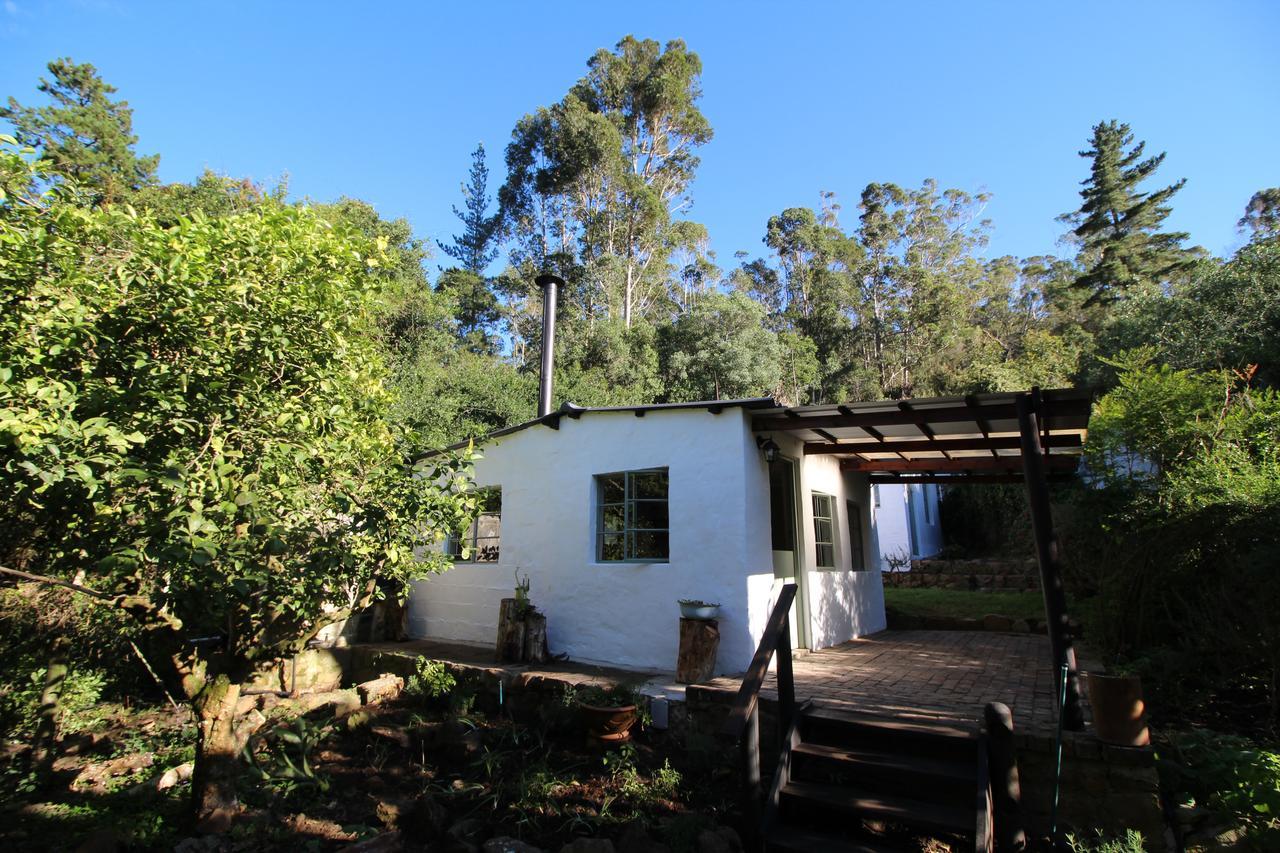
[
  {"x": 914, "y": 416},
  {"x": 1010, "y": 442},
  {"x": 955, "y": 479},
  {"x": 1007, "y": 464}
]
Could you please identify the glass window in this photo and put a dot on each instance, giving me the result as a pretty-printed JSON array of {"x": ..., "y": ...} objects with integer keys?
[
  {"x": 633, "y": 522},
  {"x": 479, "y": 543},
  {"x": 824, "y": 530}
]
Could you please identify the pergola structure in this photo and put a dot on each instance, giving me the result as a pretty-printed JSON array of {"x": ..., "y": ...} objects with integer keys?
[{"x": 1032, "y": 437}]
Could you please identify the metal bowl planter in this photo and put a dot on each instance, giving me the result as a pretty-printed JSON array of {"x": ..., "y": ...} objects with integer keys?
[{"x": 699, "y": 610}]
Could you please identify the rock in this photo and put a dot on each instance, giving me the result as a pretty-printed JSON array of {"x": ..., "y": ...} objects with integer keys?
[
  {"x": 300, "y": 824},
  {"x": 387, "y": 842},
  {"x": 722, "y": 840},
  {"x": 386, "y": 686},
  {"x": 636, "y": 840},
  {"x": 1021, "y": 626},
  {"x": 425, "y": 819},
  {"x": 102, "y": 841},
  {"x": 589, "y": 845},
  {"x": 198, "y": 844},
  {"x": 397, "y": 736},
  {"x": 508, "y": 845},
  {"x": 995, "y": 622},
  {"x": 469, "y": 832}
]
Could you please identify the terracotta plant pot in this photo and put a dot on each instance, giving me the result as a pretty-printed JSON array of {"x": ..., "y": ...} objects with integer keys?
[
  {"x": 608, "y": 725},
  {"x": 1118, "y": 709}
]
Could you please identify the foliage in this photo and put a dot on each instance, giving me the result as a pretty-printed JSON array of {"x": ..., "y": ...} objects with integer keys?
[
  {"x": 720, "y": 350},
  {"x": 196, "y": 417},
  {"x": 1118, "y": 225},
  {"x": 284, "y": 754},
  {"x": 474, "y": 249},
  {"x": 1132, "y": 842},
  {"x": 431, "y": 682},
  {"x": 1229, "y": 775},
  {"x": 1262, "y": 214},
  {"x": 85, "y": 136}
]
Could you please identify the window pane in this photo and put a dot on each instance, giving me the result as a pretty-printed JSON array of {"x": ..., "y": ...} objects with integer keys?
[
  {"x": 486, "y": 550},
  {"x": 647, "y": 515},
  {"x": 612, "y": 490},
  {"x": 649, "y": 484},
  {"x": 822, "y": 506},
  {"x": 822, "y": 530},
  {"x": 613, "y": 517},
  {"x": 611, "y": 547},
  {"x": 649, "y": 545},
  {"x": 826, "y": 556},
  {"x": 491, "y": 501}
]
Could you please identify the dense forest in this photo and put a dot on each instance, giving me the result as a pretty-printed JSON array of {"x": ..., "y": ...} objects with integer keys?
[{"x": 257, "y": 366}]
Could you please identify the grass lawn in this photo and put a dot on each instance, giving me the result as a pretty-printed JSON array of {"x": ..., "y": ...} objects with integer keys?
[{"x": 963, "y": 604}]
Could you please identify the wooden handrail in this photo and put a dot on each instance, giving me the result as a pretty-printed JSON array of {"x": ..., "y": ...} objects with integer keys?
[{"x": 776, "y": 630}]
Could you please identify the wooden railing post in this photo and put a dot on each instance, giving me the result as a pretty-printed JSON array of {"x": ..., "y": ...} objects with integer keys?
[
  {"x": 750, "y": 747},
  {"x": 786, "y": 678}
]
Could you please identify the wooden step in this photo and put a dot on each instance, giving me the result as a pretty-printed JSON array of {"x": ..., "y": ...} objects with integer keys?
[
  {"x": 952, "y": 781},
  {"x": 946, "y": 739},
  {"x": 795, "y": 839},
  {"x": 849, "y": 801}
]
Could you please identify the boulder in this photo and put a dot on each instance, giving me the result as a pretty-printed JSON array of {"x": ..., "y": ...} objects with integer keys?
[
  {"x": 720, "y": 840},
  {"x": 380, "y": 689},
  {"x": 995, "y": 622},
  {"x": 589, "y": 845},
  {"x": 508, "y": 845}
]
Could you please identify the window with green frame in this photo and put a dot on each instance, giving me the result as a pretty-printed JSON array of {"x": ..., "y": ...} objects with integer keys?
[
  {"x": 632, "y": 518},
  {"x": 480, "y": 542},
  {"x": 824, "y": 530}
]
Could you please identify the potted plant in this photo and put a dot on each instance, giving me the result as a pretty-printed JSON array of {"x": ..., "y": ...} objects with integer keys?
[
  {"x": 695, "y": 608},
  {"x": 1118, "y": 709},
  {"x": 607, "y": 713}
]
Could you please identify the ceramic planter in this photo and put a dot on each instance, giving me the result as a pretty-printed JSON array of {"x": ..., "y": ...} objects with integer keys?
[
  {"x": 1118, "y": 709},
  {"x": 606, "y": 725}
]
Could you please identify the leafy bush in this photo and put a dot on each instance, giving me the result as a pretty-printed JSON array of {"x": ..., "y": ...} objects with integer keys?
[
  {"x": 1229, "y": 775},
  {"x": 431, "y": 682},
  {"x": 1132, "y": 842}
]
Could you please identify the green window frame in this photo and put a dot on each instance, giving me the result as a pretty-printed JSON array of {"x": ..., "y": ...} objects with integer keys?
[
  {"x": 482, "y": 540},
  {"x": 824, "y": 531},
  {"x": 633, "y": 516}
]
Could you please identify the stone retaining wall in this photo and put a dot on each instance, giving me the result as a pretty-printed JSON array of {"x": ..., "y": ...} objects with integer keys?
[{"x": 1011, "y": 575}]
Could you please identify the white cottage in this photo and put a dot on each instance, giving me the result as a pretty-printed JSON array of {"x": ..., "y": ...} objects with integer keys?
[{"x": 616, "y": 513}]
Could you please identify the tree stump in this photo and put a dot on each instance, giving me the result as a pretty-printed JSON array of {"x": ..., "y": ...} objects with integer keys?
[
  {"x": 535, "y": 638},
  {"x": 510, "y": 646},
  {"x": 699, "y": 643}
]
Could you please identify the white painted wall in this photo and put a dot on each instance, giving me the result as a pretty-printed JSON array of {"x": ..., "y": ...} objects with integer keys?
[
  {"x": 892, "y": 521},
  {"x": 618, "y": 613}
]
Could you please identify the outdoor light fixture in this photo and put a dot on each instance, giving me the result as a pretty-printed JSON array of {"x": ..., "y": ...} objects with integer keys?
[{"x": 769, "y": 447}]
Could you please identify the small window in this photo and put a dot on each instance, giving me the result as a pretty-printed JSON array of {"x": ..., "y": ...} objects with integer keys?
[
  {"x": 855, "y": 535},
  {"x": 633, "y": 522},
  {"x": 480, "y": 543},
  {"x": 824, "y": 530}
]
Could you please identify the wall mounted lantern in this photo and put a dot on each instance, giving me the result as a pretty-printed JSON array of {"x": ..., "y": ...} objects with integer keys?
[{"x": 768, "y": 447}]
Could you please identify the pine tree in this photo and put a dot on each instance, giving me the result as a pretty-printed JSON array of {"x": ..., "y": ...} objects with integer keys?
[
  {"x": 473, "y": 248},
  {"x": 1262, "y": 214},
  {"x": 84, "y": 134},
  {"x": 1118, "y": 226}
]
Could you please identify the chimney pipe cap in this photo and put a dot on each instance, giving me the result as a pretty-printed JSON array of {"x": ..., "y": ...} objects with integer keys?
[{"x": 549, "y": 278}]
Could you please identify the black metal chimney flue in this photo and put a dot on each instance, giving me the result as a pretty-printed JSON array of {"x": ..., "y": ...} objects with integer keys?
[{"x": 549, "y": 284}]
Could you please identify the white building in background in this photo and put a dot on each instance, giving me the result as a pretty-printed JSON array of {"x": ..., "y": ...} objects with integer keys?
[{"x": 906, "y": 518}]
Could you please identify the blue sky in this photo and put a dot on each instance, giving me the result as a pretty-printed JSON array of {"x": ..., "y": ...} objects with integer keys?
[{"x": 385, "y": 101}]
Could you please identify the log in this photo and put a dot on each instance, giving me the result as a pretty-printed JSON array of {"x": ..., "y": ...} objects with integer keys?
[
  {"x": 510, "y": 645},
  {"x": 535, "y": 637},
  {"x": 699, "y": 643}
]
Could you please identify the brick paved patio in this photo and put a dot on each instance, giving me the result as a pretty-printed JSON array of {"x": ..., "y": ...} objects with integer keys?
[{"x": 928, "y": 674}]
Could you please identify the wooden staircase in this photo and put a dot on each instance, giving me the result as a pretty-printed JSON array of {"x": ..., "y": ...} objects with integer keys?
[
  {"x": 849, "y": 782},
  {"x": 856, "y": 782}
]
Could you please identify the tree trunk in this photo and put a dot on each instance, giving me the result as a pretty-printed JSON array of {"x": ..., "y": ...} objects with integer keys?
[
  {"x": 699, "y": 643},
  {"x": 44, "y": 747},
  {"x": 213, "y": 789},
  {"x": 510, "y": 643}
]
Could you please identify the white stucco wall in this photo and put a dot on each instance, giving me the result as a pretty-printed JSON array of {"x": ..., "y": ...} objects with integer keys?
[
  {"x": 892, "y": 521},
  {"x": 619, "y": 613}
]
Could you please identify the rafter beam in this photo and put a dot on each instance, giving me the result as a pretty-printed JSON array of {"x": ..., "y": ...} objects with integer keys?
[
  {"x": 1012, "y": 464},
  {"x": 943, "y": 414},
  {"x": 1012, "y": 442}
]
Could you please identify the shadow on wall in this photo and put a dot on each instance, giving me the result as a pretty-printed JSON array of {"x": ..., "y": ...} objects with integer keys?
[{"x": 848, "y": 605}]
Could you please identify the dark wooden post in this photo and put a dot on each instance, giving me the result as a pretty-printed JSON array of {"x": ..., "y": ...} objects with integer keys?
[
  {"x": 1055, "y": 596},
  {"x": 750, "y": 746},
  {"x": 1006, "y": 791},
  {"x": 786, "y": 680}
]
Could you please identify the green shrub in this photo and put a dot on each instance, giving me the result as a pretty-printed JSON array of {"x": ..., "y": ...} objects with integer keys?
[
  {"x": 1230, "y": 775},
  {"x": 432, "y": 681},
  {"x": 1131, "y": 843}
]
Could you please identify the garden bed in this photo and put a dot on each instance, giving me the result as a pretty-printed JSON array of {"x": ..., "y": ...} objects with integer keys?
[{"x": 948, "y": 609}]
